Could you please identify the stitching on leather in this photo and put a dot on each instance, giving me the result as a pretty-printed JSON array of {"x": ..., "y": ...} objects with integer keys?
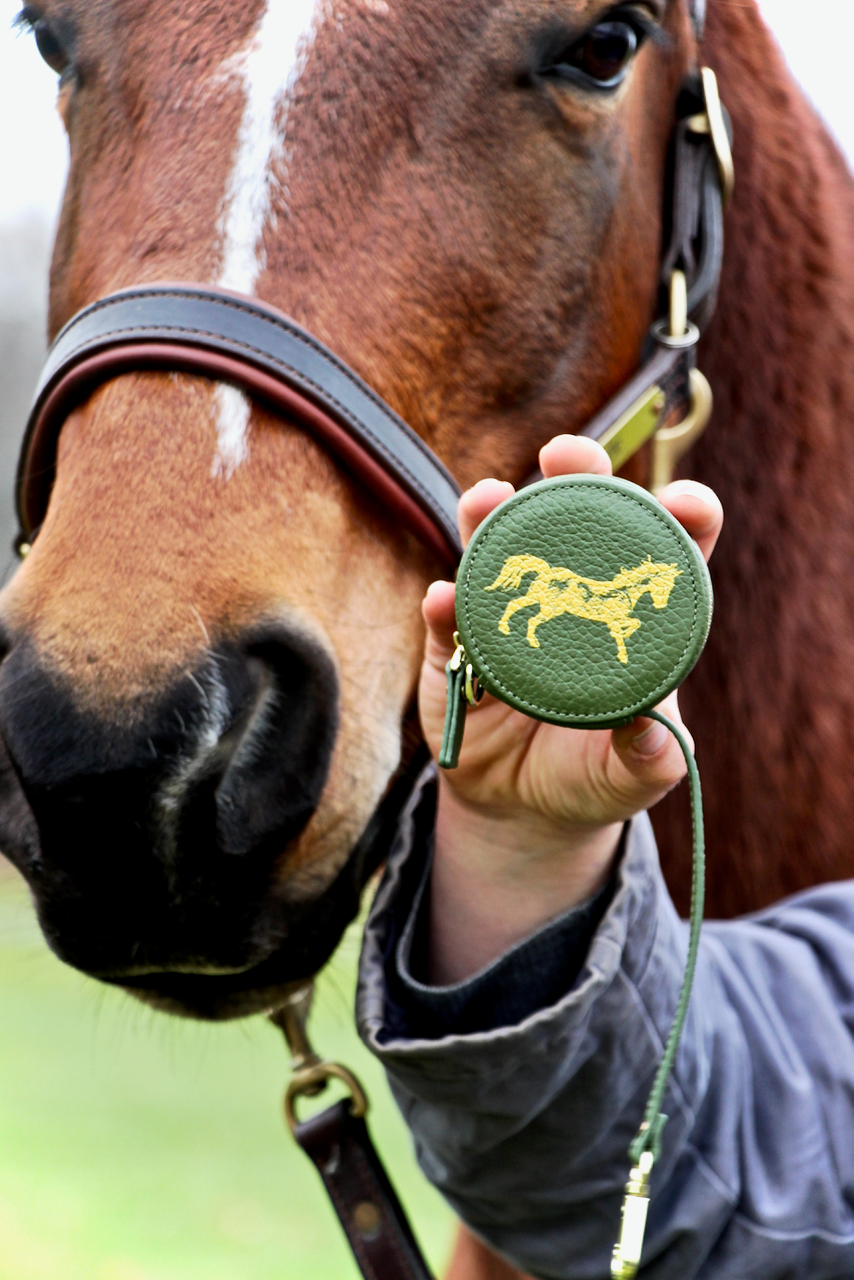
[
  {"x": 304, "y": 339},
  {"x": 555, "y": 711}
]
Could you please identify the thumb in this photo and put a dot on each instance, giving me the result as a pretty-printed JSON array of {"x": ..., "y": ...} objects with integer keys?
[
  {"x": 647, "y": 760},
  {"x": 438, "y": 610}
]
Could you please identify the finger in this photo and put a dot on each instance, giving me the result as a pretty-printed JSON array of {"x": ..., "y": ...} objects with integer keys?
[
  {"x": 570, "y": 455},
  {"x": 438, "y": 610},
  {"x": 650, "y": 758},
  {"x": 696, "y": 507},
  {"x": 477, "y": 503}
]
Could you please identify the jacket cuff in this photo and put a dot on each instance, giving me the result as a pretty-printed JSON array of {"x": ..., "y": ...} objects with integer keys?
[
  {"x": 432, "y": 1061},
  {"x": 532, "y": 975}
]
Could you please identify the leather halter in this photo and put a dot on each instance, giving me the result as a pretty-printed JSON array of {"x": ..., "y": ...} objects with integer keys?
[{"x": 224, "y": 336}]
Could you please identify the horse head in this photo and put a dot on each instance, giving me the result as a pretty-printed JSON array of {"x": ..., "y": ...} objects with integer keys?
[
  {"x": 656, "y": 579},
  {"x": 209, "y": 655}
]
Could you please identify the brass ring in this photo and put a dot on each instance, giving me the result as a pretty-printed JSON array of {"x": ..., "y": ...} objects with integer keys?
[
  {"x": 661, "y": 333},
  {"x": 313, "y": 1080},
  {"x": 473, "y": 695}
]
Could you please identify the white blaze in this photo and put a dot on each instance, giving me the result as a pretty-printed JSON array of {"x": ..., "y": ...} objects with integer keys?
[{"x": 268, "y": 68}]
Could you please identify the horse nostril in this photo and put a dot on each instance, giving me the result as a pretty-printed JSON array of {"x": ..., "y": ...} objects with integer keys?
[
  {"x": 126, "y": 821},
  {"x": 231, "y": 759},
  {"x": 281, "y": 744}
]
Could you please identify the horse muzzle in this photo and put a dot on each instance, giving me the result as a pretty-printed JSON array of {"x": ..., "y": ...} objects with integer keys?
[{"x": 153, "y": 838}]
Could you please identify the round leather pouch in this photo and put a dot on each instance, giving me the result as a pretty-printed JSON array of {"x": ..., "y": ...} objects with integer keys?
[{"x": 582, "y": 601}]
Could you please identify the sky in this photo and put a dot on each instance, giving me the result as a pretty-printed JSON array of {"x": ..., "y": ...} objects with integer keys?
[{"x": 33, "y": 151}]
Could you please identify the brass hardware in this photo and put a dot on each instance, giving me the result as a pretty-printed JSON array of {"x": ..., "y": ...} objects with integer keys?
[
  {"x": 459, "y": 653},
  {"x": 311, "y": 1081},
  {"x": 678, "y": 304},
  {"x": 292, "y": 1020},
  {"x": 627, "y": 1252},
  {"x": 473, "y": 695},
  {"x": 661, "y": 332},
  {"x": 711, "y": 121},
  {"x": 671, "y": 443},
  {"x": 311, "y": 1073},
  {"x": 634, "y": 427}
]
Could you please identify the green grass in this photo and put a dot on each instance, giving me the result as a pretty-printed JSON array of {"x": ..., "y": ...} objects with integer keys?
[{"x": 139, "y": 1147}]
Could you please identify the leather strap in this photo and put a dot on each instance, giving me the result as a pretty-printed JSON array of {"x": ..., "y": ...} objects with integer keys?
[
  {"x": 666, "y": 368},
  {"x": 694, "y": 233},
  {"x": 373, "y": 1218},
  {"x": 238, "y": 340}
]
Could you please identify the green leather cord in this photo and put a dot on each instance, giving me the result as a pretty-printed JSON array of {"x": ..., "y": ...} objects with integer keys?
[
  {"x": 645, "y": 1150},
  {"x": 649, "y": 1134}
]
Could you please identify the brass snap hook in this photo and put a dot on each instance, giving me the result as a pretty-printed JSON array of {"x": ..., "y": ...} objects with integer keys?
[
  {"x": 670, "y": 443},
  {"x": 311, "y": 1072},
  {"x": 312, "y": 1080}
]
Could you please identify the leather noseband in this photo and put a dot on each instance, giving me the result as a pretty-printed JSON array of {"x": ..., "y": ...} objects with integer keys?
[{"x": 224, "y": 336}]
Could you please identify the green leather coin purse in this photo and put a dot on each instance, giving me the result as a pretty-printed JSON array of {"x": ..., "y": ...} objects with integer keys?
[
  {"x": 580, "y": 601},
  {"x": 583, "y": 602}
]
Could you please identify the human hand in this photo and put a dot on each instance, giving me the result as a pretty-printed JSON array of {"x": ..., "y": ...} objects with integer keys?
[{"x": 529, "y": 823}]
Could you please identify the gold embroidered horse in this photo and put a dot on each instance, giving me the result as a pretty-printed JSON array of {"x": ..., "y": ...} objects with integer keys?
[{"x": 559, "y": 591}]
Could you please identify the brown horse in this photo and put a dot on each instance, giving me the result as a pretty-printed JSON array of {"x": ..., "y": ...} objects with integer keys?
[{"x": 211, "y": 651}]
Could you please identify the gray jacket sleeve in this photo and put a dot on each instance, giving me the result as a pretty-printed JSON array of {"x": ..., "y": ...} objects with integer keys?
[{"x": 525, "y": 1127}]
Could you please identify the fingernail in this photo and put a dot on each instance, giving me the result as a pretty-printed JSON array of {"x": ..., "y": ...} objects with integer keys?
[
  {"x": 699, "y": 492},
  {"x": 650, "y": 742}
]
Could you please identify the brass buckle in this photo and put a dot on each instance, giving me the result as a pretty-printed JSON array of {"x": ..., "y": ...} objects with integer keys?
[
  {"x": 311, "y": 1073},
  {"x": 711, "y": 121}
]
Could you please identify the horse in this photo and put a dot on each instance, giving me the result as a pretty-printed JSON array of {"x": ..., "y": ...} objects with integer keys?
[
  {"x": 210, "y": 653},
  {"x": 610, "y": 602}
]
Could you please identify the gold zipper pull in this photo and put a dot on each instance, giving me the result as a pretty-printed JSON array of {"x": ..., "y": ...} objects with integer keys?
[
  {"x": 459, "y": 654},
  {"x": 455, "y": 707}
]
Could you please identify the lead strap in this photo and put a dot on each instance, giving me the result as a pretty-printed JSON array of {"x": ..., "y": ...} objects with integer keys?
[{"x": 339, "y": 1144}]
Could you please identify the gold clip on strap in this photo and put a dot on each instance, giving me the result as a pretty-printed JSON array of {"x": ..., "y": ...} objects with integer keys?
[
  {"x": 311, "y": 1073},
  {"x": 627, "y": 1251}
]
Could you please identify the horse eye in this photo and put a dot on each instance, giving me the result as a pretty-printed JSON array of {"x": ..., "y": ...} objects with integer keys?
[
  {"x": 50, "y": 47},
  {"x": 601, "y": 56}
]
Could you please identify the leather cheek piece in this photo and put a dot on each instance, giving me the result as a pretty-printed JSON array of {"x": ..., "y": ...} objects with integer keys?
[{"x": 583, "y": 602}]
